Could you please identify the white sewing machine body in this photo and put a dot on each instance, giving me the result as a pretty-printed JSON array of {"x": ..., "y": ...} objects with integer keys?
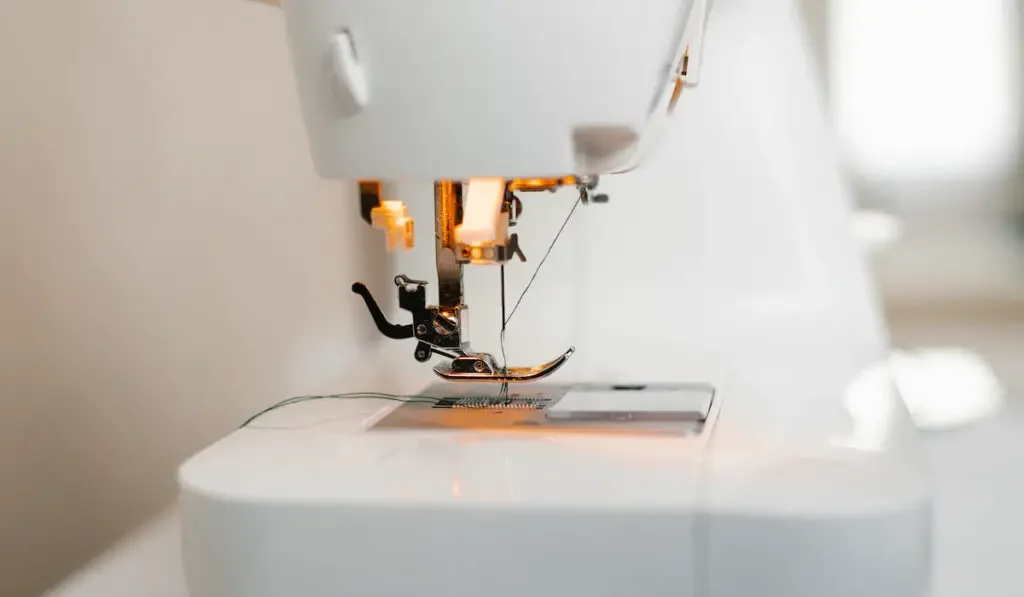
[
  {"x": 363, "y": 498},
  {"x": 755, "y": 446},
  {"x": 453, "y": 89}
]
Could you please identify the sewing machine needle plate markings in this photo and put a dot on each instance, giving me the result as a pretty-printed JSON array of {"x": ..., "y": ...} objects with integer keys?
[{"x": 673, "y": 409}]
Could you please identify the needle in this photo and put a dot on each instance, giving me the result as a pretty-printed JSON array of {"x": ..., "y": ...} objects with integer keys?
[{"x": 504, "y": 321}]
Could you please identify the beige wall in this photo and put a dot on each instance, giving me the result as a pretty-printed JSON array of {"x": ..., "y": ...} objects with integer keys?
[{"x": 168, "y": 260}]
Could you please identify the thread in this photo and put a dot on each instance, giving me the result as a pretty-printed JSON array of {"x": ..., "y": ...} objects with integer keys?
[
  {"x": 529, "y": 284},
  {"x": 348, "y": 396}
]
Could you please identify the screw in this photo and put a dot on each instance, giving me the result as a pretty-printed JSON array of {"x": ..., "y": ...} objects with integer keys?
[
  {"x": 421, "y": 329},
  {"x": 479, "y": 366}
]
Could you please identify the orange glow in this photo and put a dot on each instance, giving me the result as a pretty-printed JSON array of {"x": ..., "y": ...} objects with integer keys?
[
  {"x": 540, "y": 184},
  {"x": 677, "y": 91},
  {"x": 369, "y": 187},
  {"x": 393, "y": 218},
  {"x": 456, "y": 489}
]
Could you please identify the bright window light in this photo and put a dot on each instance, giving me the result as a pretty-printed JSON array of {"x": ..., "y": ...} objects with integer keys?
[
  {"x": 945, "y": 388},
  {"x": 925, "y": 88}
]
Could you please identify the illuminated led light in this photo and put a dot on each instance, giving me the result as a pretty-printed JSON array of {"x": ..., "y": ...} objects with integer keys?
[
  {"x": 540, "y": 184},
  {"x": 481, "y": 211},
  {"x": 392, "y": 217}
]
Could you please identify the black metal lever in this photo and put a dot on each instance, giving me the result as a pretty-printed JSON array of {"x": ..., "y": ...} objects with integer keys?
[{"x": 395, "y": 332}]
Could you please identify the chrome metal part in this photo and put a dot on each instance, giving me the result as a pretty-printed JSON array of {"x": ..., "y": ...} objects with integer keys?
[
  {"x": 447, "y": 199},
  {"x": 640, "y": 410},
  {"x": 482, "y": 367},
  {"x": 443, "y": 329},
  {"x": 586, "y": 186}
]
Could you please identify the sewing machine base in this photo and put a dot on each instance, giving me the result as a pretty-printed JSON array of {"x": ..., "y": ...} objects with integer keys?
[{"x": 621, "y": 490}]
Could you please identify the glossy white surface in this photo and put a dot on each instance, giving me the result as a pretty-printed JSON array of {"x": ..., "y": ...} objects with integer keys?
[
  {"x": 979, "y": 535},
  {"x": 279, "y": 505},
  {"x": 452, "y": 87}
]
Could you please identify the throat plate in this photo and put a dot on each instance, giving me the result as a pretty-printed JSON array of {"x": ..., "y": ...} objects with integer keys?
[
  {"x": 642, "y": 409},
  {"x": 499, "y": 402}
]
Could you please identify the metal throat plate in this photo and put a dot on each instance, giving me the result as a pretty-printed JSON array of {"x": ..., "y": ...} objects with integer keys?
[{"x": 641, "y": 408}]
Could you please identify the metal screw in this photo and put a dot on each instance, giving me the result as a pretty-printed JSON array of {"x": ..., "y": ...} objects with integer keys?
[
  {"x": 421, "y": 329},
  {"x": 479, "y": 366}
]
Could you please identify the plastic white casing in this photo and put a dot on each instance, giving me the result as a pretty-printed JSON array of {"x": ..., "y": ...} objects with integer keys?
[
  {"x": 453, "y": 89},
  {"x": 727, "y": 260}
]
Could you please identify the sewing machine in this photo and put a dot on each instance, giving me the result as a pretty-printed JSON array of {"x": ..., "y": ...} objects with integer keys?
[{"x": 727, "y": 426}]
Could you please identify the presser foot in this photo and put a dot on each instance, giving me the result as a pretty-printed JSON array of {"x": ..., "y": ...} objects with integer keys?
[
  {"x": 483, "y": 368},
  {"x": 439, "y": 332}
]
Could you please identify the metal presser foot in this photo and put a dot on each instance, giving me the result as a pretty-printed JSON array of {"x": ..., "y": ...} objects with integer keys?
[
  {"x": 482, "y": 367},
  {"x": 438, "y": 330}
]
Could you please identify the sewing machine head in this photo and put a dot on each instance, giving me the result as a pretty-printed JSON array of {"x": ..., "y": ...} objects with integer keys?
[{"x": 489, "y": 102}]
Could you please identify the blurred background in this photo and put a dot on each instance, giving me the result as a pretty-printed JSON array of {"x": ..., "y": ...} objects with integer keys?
[{"x": 926, "y": 97}]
